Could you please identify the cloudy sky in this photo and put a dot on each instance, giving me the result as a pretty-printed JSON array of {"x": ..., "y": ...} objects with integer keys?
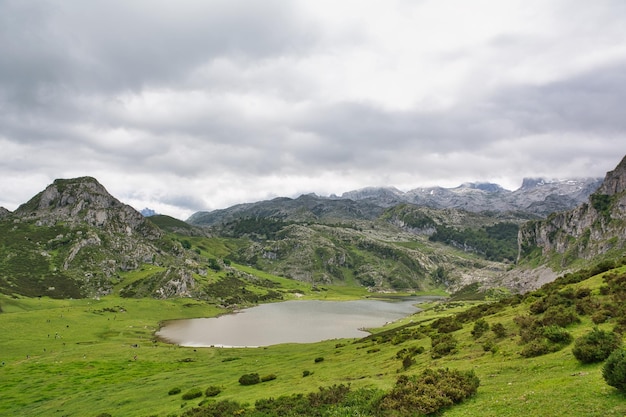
[{"x": 190, "y": 105}]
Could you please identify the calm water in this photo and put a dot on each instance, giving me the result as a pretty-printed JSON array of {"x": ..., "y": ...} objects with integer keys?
[{"x": 303, "y": 321}]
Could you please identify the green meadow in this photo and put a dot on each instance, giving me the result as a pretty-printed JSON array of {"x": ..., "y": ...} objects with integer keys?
[{"x": 87, "y": 357}]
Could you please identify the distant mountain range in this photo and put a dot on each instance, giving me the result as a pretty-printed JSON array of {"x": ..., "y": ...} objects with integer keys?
[{"x": 537, "y": 197}]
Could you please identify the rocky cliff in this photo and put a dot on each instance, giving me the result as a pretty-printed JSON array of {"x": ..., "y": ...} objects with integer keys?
[{"x": 595, "y": 229}]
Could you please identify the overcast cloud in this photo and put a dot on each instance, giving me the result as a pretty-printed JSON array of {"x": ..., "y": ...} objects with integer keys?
[{"x": 198, "y": 105}]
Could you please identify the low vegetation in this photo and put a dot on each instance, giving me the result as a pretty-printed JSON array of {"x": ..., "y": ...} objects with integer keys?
[{"x": 467, "y": 358}]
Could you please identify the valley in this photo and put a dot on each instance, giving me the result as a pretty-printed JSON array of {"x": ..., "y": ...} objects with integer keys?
[{"x": 86, "y": 282}]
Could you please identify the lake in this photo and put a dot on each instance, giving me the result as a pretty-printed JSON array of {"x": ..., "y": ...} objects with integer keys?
[{"x": 298, "y": 321}]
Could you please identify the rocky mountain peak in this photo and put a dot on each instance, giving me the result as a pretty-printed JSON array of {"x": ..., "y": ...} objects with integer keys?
[
  {"x": 614, "y": 181},
  {"x": 4, "y": 212},
  {"x": 85, "y": 200}
]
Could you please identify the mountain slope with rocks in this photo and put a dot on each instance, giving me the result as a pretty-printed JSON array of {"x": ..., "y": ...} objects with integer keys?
[
  {"x": 594, "y": 231},
  {"x": 74, "y": 240}
]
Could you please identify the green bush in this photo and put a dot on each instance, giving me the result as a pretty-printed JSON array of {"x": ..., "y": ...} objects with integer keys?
[
  {"x": 249, "y": 379},
  {"x": 306, "y": 373},
  {"x": 480, "y": 327},
  {"x": 319, "y": 359},
  {"x": 447, "y": 324},
  {"x": 557, "y": 334},
  {"x": 429, "y": 392},
  {"x": 614, "y": 370},
  {"x": 499, "y": 330},
  {"x": 443, "y": 345},
  {"x": 174, "y": 391},
  {"x": 560, "y": 316},
  {"x": 192, "y": 393},
  {"x": 212, "y": 391},
  {"x": 596, "y": 346},
  {"x": 269, "y": 377}
]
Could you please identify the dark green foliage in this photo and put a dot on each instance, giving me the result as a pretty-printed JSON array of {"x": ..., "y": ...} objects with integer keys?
[
  {"x": 216, "y": 409},
  {"x": 442, "y": 345},
  {"x": 192, "y": 393},
  {"x": 174, "y": 391},
  {"x": 214, "y": 265},
  {"x": 614, "y": 370},
  {"x": 596, "y": 346},
  {"x": 319, "y": 359},
  {"x": 269, "y": 377},
  {"x": 560, "y": 316},
  {"x": 249, "y": 379},
  {"x": 602, "y": 203},
  {"x": 447, "y": 324},
  {"x": 256, "y": 227},
  {"x": 233, "y": 290},
  {"x": 480, "y": 327},
  {"x": 499, "y": 330},
  {"x": 496, "y": 243},
  {"x": 212, "y": 391},
  {"x": 407, "y": 362},
  {"x": 306, "y": 373},
  {"x": 429, "y": 392},
  {"x": 557, "y": 334}
]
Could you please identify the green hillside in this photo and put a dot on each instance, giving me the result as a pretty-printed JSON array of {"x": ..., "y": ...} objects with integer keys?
[{"x": 90, "y": 357}]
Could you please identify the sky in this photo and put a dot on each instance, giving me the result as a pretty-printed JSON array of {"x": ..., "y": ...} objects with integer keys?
[{"x": 199, "y": 105}]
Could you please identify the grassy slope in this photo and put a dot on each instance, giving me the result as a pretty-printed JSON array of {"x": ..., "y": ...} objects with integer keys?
[{"x": 90, "y": 366}]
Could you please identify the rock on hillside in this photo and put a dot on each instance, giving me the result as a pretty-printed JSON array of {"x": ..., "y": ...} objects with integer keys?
[
  {"x": 4, "y": 212},
  {"x": 594, "y": 229}
]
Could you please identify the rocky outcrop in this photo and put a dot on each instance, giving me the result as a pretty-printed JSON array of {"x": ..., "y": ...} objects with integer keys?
[
  {"x": 85, "y": 200},
  {"x": 594, "y": 229},
  {"x": 4, "y": 212},
  {"x": 78, "y": 239}
]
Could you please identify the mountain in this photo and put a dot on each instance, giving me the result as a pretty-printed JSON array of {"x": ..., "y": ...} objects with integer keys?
[
  {"x": 595, "y": 229},
  {"x": 536, "y": 196},
  {"x": 308, "y": 207},
  {"x": 147, "y": 212},
  {"x": 74, "y": 240}
]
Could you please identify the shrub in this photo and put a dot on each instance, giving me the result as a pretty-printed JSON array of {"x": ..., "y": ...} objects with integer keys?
[
  {"x": 557, "y": 334},
  {"x": 174, "y": 391},
  {"x": 429, "y": 392},
  {"x": 192, "y": 393},
  {"x": 614, "y": 370},
  {"x": 499, "y": 330},
  {"x": 560, "y": 316},
  {"x": 249, "y": 379},
  {"x": 442, "y": 345},
  {"x": 407, "y": 362},
  {"x": 596, "y": 346},
  {"x": 212, "y": 391},
  {"x": 447, "y": 324},
  {"x": 319, "y": 359},
  {"x": 269, "y": 377},
  {"x": 305, "y": 373},
  {"x": 480, "y": 327}
]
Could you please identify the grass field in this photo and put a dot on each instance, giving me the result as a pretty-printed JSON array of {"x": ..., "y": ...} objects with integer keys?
[{"x": 86, "y": 357}]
